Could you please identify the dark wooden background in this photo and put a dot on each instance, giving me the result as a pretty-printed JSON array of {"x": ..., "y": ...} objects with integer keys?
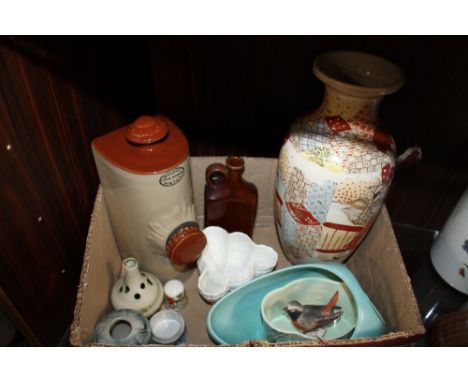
[{"x": 230, "y": 95}]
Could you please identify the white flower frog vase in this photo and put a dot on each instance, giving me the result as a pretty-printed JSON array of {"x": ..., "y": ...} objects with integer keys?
[
  {"x": 140, "y": 291},
  {"x": 336, "y": 166}
]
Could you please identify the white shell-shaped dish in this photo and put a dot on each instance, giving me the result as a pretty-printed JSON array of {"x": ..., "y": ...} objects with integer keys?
[{"x": 230, "y": 260}]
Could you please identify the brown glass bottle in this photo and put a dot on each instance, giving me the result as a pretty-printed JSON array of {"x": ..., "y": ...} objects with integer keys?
[{"x": 230, "y": 201}]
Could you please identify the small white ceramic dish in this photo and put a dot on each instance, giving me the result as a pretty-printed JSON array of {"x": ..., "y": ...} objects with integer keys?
[
  {"x": 308, "y": 291},
  {"x": 230, "y": 260},
  {"x": 167, "y": 326}
]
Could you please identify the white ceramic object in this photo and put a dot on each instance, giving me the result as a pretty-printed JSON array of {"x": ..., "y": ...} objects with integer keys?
[
  {"x": 449, "y": 253},
  {"x": 174, "y": 294},
  {"x": 230, "y": 260},
  {"x": 308, "y": 291},
  {"x": 167, "y": 327},
  {"x": 140, "y": 291}
]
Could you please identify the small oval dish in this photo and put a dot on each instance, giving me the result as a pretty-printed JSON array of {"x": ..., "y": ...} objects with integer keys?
[
  {"x": 230, "y": 260},
  {"x": 308, "y": 291}
]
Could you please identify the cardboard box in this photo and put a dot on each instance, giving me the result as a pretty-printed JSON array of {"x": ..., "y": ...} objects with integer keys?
[{"x": 377, "y": 264}]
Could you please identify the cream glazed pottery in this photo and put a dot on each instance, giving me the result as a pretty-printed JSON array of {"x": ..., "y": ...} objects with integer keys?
[
  {"x": 449, "y": 253},
  {"x": 140, "y": 291},
  {"x": 336, "y": 166},
  {"x": 167, "y": 327},
  {"x": 146, "y": 183}
]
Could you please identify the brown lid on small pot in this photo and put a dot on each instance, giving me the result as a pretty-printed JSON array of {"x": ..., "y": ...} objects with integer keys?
[
  {"x": 358, "y": 74},
  {"x": 150, "y": 144},
  {"x": 185, "y": 245}
]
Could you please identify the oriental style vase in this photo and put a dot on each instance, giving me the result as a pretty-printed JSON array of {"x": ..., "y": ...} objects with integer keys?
[{"x": 336, "y": 165}]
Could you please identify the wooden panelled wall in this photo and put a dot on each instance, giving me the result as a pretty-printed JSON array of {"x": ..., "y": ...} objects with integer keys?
[{"x": 230, "y": 95}]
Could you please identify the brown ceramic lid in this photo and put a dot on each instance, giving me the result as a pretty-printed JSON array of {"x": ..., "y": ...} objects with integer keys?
[
  {"x": 151, "y": 144},
  {"x": 147, "y": 130},
  {"x": 358, "y": 74},
  {"x": 185, "y": 245}
]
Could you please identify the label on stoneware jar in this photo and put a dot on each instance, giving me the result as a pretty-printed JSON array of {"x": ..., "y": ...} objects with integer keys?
[
  {"x": 172, "y": 177},
  {"x": 169, "y": 204}
]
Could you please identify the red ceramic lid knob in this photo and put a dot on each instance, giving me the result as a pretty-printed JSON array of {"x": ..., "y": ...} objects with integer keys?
[
  {"x": 186, "y": 245},
  {"x": 147, "y": 129}
]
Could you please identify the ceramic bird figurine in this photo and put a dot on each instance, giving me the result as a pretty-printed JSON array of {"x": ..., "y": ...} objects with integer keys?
[{"x": 309, "y": 317}]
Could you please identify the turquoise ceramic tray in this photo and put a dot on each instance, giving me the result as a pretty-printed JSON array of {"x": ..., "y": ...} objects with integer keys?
[{"x": 236, "y": 317}]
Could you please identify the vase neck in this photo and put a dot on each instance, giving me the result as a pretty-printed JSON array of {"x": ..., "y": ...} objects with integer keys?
[
  {"x": 235, "y": 176},
  {"x": 364, "y": 110},
  {"x": 235, "y": 166},
  {"x": 131, "y": 268}
]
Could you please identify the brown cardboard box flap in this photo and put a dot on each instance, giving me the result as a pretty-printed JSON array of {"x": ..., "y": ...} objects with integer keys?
[{"x": 377, "y": 264}]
